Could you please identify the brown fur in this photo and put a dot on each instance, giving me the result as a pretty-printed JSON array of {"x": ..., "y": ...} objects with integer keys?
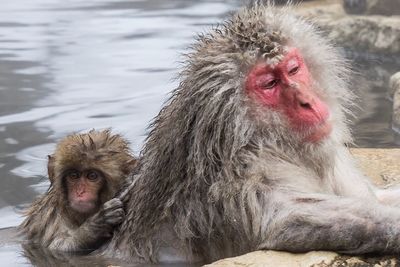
[{"x": 50, "y": 217}]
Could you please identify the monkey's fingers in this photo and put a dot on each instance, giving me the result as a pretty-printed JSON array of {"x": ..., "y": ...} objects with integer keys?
[
  {"x": 112, "y": 204},
  {"x": 123, "y": 196},
  {"x": 115, "y": 221},
  {"x": 114, "y": 213},
  {"x": 115, "y": 217}
]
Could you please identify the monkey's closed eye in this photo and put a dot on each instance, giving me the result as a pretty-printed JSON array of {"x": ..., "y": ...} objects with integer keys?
[
  {"x": 294, "y": 70},
  {"x": 269, "y": 85}
]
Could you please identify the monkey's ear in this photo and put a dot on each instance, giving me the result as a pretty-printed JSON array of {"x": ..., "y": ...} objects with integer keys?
[
  {"x": 130, "y": 166},
  {"x": 50, "y": 168}
]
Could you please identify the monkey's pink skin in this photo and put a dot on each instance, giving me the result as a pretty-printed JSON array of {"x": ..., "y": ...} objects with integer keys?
[{"x": 287, "y": 87}]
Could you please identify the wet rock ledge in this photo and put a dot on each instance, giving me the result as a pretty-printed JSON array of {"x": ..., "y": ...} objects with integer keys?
[
  {"x": 383, "y": 166},
  {"x": 372, "y": 33},
  {"x": 311, "y": 259},
  {"x": 394, "y": 93}
]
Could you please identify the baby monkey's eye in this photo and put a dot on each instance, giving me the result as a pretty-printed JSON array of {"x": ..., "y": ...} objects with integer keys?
[
  {"x": 92, "y": 175},
  {"x": 73, "y": 175}
]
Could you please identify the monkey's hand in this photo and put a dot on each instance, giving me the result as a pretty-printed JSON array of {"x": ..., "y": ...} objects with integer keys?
[
  {"x": 94, "y": 231},
  {"x": 125, "y": 194},
  {"x": 110, "y": 215}
]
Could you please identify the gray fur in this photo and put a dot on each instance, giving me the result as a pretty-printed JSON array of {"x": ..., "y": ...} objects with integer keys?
[{"x": 221, "y": 175}]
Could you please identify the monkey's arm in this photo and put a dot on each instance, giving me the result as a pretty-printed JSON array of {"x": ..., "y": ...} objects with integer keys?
[
  {"x": 351, "y": 182},
  {"x": 303, "y": 222},
  {"x": 93, "y": 232},
  {"x": 389, "y": 196}
]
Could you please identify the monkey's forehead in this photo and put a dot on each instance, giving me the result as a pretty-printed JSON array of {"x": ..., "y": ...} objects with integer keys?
[{"x": 254, "y": 30}]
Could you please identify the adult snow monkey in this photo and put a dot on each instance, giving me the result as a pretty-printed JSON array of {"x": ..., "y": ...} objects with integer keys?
[{"x": 249, "y": 153}]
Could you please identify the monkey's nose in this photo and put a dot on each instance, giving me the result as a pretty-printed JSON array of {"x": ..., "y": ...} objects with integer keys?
[
  {"x": 305, "y": 105},
  {"x": 304, "y": 101}
]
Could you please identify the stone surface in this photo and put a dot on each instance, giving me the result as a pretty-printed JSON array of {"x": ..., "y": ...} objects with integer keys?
[
  {"x": 355, "y": 6},
  {"x": 380, "y": 7},
  {"x": 283, "y": 2},
  {"x": 383, "y": 166},
  {"x": 395, "y": 83},
  {"x": 377, "y": 34},
  {"x": 271, "y": 258}
]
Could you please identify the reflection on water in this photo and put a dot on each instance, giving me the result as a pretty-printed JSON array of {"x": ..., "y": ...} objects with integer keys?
[
  {"x": 74, "y": 65},
  {"x": 44, "y": 258}
]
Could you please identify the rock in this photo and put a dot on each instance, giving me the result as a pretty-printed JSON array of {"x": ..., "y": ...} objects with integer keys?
[
  {"x": 394, "y": 84},
  {"x": 394, "y": 92},
  {"x": 376, "y": 34},
  {"x": 283, "y": 2},
  {"x": 355, "y": 6},
  {"x": 271, "y": 258},
  {"x": 371, "y": 7},
  {"x": 396, "y": 109},
  {"x": 382, "y": 165}
]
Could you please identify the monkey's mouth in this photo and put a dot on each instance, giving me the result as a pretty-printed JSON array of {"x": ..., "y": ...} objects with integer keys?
[
  {"x": 319, "y": 132},
  {"x": 82, "y": 206}
]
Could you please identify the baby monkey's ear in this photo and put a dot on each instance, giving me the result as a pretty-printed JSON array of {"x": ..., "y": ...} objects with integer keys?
[
  {"x": 50, "y": 168},
  {"x": 130, "y": 166}
]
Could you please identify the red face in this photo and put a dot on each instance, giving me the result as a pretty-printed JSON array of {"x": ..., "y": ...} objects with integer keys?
[
  {"x": 84, "y": 189},
  {"x": 287, "y": 88}
]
